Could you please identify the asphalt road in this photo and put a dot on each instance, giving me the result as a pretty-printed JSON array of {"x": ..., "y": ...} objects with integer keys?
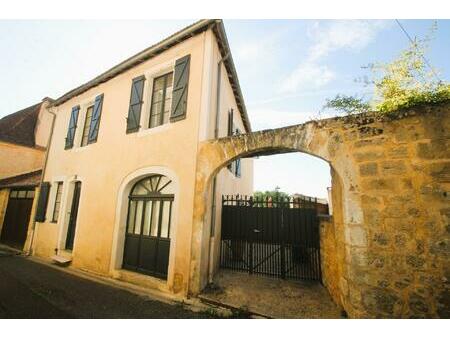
[{"x": 32, "y": 290}]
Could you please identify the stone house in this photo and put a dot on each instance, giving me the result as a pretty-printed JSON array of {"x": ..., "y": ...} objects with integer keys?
[
  {"x": 140, "y": 156},
  {"x": 118, "y": 187}
]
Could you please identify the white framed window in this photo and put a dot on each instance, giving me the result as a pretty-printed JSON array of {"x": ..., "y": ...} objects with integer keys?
[
  {"x": 152, "y": 94},
  {"x": 57, "y": 204},
  {"x": 87, "y": 124},
  {"x": 161, "y": 100}
]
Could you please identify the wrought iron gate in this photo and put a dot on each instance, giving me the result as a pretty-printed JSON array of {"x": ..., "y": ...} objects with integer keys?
[{"x": 278, "y": 238}]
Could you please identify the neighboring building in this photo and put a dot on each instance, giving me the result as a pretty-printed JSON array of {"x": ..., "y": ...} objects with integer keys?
[
  {"x": 320, "y": 204},
  {"x": 23, "y": 140},
  {"x": 118, "y": 191}
]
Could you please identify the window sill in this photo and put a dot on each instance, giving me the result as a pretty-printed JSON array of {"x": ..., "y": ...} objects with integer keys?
[
  {"x": 154, "y": 130},
  {"x": 82, "y": 148}
]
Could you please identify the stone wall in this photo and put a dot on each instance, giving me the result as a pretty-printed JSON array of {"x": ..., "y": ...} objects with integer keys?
[
  {"x": 386, "y": 251},
  {"x": 398, "y": 256},
  {"x": 328, "y": 259}
]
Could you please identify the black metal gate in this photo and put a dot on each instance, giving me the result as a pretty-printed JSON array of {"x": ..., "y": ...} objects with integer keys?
[{"x": 278, "y": 238}]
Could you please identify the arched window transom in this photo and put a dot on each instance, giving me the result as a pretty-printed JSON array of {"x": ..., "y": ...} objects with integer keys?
[{"x": 153, "y": 186}]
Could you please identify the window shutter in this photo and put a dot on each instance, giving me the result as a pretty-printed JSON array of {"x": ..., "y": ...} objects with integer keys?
[
  {"x": 230, "y": 133},
  {"x": 230, "y": 122},
  {"x": 136, "y": 100},
  {"x": 72, "y": 127},
  {"x": 95, "y": 120},
  {"x": 238, "y": 161},
  {"x": 42, "y": 202},
  {"x": 180, "y": 88},
  {"x": 238, "y": 168}
]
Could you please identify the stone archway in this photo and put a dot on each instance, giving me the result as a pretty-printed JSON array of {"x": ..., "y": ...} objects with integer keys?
[
  {"x": 390, "y": 175},
  {"x": 311, "y": 138}
]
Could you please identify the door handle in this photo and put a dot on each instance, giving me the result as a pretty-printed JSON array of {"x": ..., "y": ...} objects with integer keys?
[{"x": 256, "y": 231}]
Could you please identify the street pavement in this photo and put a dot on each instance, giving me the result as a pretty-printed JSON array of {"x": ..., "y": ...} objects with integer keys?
[{"x": 33, "y": 290}]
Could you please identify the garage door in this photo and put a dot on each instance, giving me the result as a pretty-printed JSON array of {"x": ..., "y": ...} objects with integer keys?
[{"x": 17, "y": 217}]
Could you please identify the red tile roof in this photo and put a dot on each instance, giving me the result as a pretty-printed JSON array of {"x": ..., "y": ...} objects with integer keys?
[{"x": 18, "y": 128}]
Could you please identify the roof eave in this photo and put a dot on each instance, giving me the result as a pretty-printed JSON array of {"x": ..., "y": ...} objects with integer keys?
[
  {"x": 190, "y": 31},
  {"x": 137, "y": 59},
  {"x": 219, "y": 31}
]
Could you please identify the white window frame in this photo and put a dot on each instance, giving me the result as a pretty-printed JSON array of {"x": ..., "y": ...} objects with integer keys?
[
  {"x": 54, "y": 189},
  {"x": 65, "y": 210},
  {"x": 84, "y": 105},
  {"x": 150, "y": 75},
  {"x": 52, "y": 197},
  {"x": 84, "y": 126}
]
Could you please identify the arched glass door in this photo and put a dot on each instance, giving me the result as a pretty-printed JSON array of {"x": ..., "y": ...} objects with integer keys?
[{"x": 147, "y": 240}]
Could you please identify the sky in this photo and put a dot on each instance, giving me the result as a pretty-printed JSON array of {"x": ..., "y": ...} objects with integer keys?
[{"x": 286, "y": 68}]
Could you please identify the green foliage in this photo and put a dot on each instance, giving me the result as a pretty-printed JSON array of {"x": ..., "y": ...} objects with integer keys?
[
  {"x": 347, "y": 104},
  {"x": 274, "y": 194},
  {"x": 405, "y": 82},
  {"x": 414, "y": 98}
]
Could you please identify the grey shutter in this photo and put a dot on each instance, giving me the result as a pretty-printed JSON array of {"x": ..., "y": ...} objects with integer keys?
[
  {"x": 237, "y": 172},
  {"x": 72, "y": 127},
  {"x": 230, "y": 133},
  {"x": 238, "y": 168},
  {"x": 136, "y": 100},
  {"x": 42, "y": 202},
  {"x": 95, "y": 121},
  {"x": 230, "y": 123},
  {"x": 180, "y": 88}
]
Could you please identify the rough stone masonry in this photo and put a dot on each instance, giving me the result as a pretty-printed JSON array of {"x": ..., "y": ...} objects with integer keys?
[{"x": 385, "y": 252}]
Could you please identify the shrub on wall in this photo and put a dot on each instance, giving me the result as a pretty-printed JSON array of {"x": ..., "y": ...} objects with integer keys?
[{"x": 407, "y": 81}]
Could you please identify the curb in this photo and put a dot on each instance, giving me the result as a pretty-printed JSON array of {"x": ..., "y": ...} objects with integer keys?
[
  {"x": 193, "y": 304},
  {"x": 209, "y": 301}
]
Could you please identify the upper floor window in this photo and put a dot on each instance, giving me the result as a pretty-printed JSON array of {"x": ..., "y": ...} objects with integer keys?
[
  {"x": 168, "y": 98},
  {"x": 87, "y": 124},
  {"x": 161, "y": 100},
  {"x": 91, "y": 124}
]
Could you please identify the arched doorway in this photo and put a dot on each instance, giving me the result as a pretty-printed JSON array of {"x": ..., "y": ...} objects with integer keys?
[
  {"x": 310, "y": 138},
  {"x": 290, "y": 238},
  {"x": 149, "y": 218}
]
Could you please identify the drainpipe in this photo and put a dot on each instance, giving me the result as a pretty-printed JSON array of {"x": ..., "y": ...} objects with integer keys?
[
  {"x": 214, "y": 183},
  {"x": 219, "y": 75},
  {"x": 49, "y": 110}
]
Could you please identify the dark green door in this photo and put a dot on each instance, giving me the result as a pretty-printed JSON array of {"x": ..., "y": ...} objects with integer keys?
[
  {"x": 73, "y": 216},
  {"x": 147, "y": 238}
]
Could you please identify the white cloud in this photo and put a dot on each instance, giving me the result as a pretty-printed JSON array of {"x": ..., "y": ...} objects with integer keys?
[
  {"x": 260, "y": 48},
  {"x": 308, "y": 75},
  {"x": 247, "y": 52},
  {"x": 329, "y": 37},
  {"x": 354, "y": 34},
  {"x": 263, "y": 118}
]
